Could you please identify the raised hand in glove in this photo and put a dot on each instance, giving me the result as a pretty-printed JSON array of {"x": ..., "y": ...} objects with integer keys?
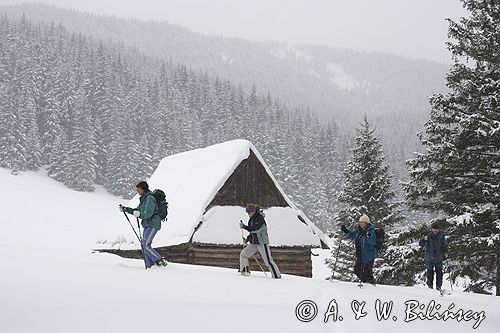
[
  {"x": 122, "y": 208},
  {"x": 242, "y": 226},
  {"x": 137, "y": 213},
  {"x": 344, "y": 229}
]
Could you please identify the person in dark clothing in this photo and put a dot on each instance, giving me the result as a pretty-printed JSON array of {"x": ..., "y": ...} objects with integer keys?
[
  {"x": 257, "y": 240},
  {"x": 436, "y": 249},
  {"x": 365, "y": 239}
]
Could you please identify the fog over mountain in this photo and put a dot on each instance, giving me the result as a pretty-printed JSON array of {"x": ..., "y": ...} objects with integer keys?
[
  {"x": 411, "y": 28},
  {"x": 329, "y": 81}
]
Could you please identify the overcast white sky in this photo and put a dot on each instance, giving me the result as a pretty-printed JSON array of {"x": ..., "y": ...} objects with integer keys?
[{"x": 414, "y": 28}]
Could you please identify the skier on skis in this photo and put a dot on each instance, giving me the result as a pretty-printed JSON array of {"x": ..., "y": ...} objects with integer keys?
[
  {"x": 365, "y": 240},
  {"x": 257, "y": 240},
  {"x": 147, "y": 211},
  {"x": 436, "y": 248}
]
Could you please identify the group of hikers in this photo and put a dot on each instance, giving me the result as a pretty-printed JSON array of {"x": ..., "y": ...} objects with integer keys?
[
  {"x": 363, "y": 235},
  {"x": 434, "y": 243}
]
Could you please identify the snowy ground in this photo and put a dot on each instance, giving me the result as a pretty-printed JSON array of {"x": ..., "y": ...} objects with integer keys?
[{"x": 51, "y": 282}]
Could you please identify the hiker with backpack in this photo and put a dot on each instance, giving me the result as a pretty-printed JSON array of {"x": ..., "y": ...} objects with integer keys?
[
  {"x": 149, "y": 212},
  {"x": 436, "y": 250},
  {"x": 257, "y": 240},
  {"x": 365, "y": 239}
]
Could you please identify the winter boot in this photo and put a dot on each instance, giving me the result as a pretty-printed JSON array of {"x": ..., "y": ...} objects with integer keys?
[{"x": 162, "y": 262}]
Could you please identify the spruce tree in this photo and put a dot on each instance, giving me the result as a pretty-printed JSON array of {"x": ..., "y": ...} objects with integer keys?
[
  {"x": 33, "y": 149},
  {"x": 81, "y": 167},
  {"x": 331, "y": 164},
  {"x": 13, "y": 137},
  {"x": 143, "y": 159},
  {"x": 367, "y": 187},
  {"x": 98, "y": 95},
  {"x": 458, "y": 174},
  {"x": 58, "y": 162}
]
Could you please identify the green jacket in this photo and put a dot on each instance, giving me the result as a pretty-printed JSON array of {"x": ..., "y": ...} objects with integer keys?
[{"x": 149, "y": 211}]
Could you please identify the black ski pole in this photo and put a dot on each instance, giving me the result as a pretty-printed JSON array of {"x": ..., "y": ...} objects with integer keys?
[
  {"x": 139, "y": 227},
  {"x": 142, "y": 245},
  {"x": 136, "y": 235}
]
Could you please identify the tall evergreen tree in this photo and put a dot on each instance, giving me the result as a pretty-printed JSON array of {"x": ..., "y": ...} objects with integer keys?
[
  {"x": 458, "y": 174},
  {"x": 33, "y": 148},
  {"x": 143, "y": 160},
  {"x": 57, "y": 164},
  {"x": 81, "y": 166},
  {"x": 367, "y": 187}
]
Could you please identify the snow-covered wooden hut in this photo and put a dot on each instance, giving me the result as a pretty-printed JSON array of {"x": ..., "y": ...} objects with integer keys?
[{"x": 207, "y": 190}]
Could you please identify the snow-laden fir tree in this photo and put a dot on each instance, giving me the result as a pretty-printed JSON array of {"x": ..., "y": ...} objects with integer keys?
[
  {"x": 33, "y": 149},
  {"x": 367, "y": 190},
  {"x": 12, "y": 131},
  {"x": 81, "y": 167},
  {"x": 57, "y": 164},
  {"x": 459, "y": 172}
]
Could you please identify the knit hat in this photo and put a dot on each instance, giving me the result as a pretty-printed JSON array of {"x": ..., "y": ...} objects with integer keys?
[
  {"x": 434, "y": 226},
  {"x": 364, "y": 218},
  {"x": 143, "y": 185}
]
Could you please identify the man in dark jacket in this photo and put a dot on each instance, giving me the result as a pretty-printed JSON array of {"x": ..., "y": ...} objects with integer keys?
[
  {"x": 147, "y": 211},
  {"x": 436, "y": 249},
  {"x": 366, "y": 248},
  {"x": 257, "y": 240}
]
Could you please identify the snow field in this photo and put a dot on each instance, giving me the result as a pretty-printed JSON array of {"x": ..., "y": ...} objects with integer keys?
[{"x": 51, "y": 282}]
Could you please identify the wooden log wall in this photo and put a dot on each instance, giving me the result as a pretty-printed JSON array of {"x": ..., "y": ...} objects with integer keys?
[{"x": 290, "y": 260}]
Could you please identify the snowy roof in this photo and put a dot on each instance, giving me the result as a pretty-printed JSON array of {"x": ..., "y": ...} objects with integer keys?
[
  {"x": 284, "y": 227},
  {"x": 190, "y": 181}
]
